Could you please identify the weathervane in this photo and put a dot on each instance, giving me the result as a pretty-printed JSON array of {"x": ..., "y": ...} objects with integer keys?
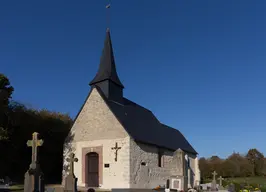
[{"x": 108, "y": 15}]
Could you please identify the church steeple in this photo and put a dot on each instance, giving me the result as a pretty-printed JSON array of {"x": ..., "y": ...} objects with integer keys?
[{"x": 106, "y": 77}]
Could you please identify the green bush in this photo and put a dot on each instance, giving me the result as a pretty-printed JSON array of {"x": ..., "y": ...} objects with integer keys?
[
  {"x": 263, "y": 188},
  {"x": 237, "y": 186}
]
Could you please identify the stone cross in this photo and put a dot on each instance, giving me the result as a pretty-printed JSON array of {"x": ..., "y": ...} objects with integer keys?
[
  {"x": 71, "y": 160},
  {"x": 213, "y": 183},
  {"x": 33, "y": 181},
  {"x": 214, "y": 174},
  {"x": 116, "y": 148},
  {"x": 71, "y": 180},
  {"x": 220, "y": 180},
  {"x": 34, "y": 143}
]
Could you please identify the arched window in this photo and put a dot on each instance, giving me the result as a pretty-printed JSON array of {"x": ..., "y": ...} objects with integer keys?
[{"x": 160, "y": 157}]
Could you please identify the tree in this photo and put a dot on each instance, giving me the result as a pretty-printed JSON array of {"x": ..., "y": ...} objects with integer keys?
[
  {"x": 256, "y": 159},
  {"x": 215, "y": 163},
  {"x": 241, "y": 165},
  {"x": 228, "y": 168},
  {"x": 204, "y": 168},
  {"x": 6, "y": 91}
]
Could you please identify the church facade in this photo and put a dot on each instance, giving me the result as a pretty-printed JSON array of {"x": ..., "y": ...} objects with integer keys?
[{"x": 120, "y": 144}]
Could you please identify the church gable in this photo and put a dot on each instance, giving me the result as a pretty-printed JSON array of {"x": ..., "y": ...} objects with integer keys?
[{"x": 96, "y": 121}]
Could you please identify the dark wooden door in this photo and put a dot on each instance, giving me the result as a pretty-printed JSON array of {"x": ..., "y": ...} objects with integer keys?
[{"x": 93, "y": 170}]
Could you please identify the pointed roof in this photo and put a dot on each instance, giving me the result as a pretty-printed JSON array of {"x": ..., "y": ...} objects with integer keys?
[{"x": 107, "y": 68}]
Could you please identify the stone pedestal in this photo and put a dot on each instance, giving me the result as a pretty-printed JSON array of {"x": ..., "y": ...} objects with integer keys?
[
  {"x": 213, "y": 186},
  {"x": 34, "y": 181},
  {"x": 221, "y": 187},
  {"x": 178, "y": 182},
  {"x": 71, "y": 183}
]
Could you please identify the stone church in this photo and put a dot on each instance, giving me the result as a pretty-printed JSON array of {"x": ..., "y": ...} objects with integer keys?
[{"x": 121, "y": 144}]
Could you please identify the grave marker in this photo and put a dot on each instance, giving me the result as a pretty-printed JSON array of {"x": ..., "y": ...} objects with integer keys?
[
  {"x": 33, "y": 181},
  {"x": 71, "y": 160},
  {"x": 220, "y": 182},
  {"x": 213, "y": 184},
  {"x": 71, "y": 180}
]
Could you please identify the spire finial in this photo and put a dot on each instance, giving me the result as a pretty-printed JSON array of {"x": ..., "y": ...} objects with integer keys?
[{"x": 108, "y": 15}]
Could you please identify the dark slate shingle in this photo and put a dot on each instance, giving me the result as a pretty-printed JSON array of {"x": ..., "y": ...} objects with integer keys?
[{"x": 107, "y": 68}]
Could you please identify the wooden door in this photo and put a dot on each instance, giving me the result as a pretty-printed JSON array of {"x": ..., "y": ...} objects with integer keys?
[{"x": 92, "y": 169}]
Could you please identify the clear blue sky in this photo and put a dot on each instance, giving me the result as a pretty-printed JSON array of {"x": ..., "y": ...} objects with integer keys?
[{"x": 198, "y": 65}]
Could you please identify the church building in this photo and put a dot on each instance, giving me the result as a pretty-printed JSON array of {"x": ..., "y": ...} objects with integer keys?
[{"x": 121, "y": 144}]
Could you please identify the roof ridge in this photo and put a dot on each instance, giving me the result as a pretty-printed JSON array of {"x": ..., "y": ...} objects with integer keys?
[
  {"x": 122, "y": 104},
  {"x": 137, "y": 104}
]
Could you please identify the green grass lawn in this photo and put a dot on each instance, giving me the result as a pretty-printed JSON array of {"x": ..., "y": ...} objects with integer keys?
[
  {"x": 250, "y": 180},
  {"x": 16, "y": 187},
  {"x": 19, "y": 188},
  {"x": 259, "y": 182}
]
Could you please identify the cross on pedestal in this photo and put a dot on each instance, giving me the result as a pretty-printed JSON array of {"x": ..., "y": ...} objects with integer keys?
[
  {"x": 116, "y": 148},
  {"x": 220, "y": 180},
  {"x": 33, "y": 180},
  {"x": 71, "y": 160},
  {"x": 34, "y": 143},
  {"x": 214, "y": 174}
]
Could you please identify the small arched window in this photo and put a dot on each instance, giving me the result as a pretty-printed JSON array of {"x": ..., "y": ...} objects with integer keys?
[{"x": 160, "y": 157}]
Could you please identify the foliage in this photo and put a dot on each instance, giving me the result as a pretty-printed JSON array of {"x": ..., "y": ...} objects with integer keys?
[
  {"x": 6, "y": 88},
  {"x": 236, "y": 165},
  {"x": 256, "y": 159},
  {"x": 263, "y": 189},
  {"x": 205, "y": 168},
  {"x": 237, "y": 186},
  {"x": 6, "y": 91}
]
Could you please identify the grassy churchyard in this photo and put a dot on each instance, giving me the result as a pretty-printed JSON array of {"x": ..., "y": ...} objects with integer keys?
[
  {"x": 20, "y": 188},
  {"x": 255, "y": 182},
  {"x": 251, "y": 180},
  {"x": 259, "y": 182},
  {"x": 245, "y": 182},
  {"x": 57, "y": 187}
]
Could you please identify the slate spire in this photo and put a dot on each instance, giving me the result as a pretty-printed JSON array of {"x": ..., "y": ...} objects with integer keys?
[
  {"x": 106, "y": 77},
  {"x": 107, "y": 68}
]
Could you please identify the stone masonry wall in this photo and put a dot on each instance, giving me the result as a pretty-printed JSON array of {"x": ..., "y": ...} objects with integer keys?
[
  {"x": 96, "y": 121},
  {"x": 151, "y": 175}
]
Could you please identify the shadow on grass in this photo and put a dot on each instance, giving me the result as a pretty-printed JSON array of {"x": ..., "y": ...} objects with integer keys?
[
  {"x": 10, "y": 190},
  {"x": 17, "y": 188}
]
